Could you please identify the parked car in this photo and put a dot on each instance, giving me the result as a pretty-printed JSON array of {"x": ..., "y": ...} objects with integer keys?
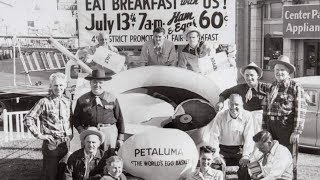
[{"x": 311, "y": 133}]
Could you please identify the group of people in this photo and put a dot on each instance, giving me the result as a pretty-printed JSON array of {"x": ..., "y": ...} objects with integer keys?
[
  {"x": 161, "y": 51},
  {"x": 235, "y": 135},
  {"x": 270, "y": 139},
  {"x": 97, "y": 118}
]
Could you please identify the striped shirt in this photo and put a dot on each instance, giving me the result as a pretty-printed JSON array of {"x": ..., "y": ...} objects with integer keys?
[
  {"x": 54, "y": 116},
  {"x": 288, "y": 101}
]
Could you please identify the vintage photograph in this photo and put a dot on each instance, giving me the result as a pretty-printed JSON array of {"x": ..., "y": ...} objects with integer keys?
[{"x": 159, "y": 89}]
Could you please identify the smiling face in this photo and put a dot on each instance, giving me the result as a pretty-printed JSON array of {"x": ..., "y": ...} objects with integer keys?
[
  {"x": 193, "y": 39},
  {"x": 115, "y": 169},
  {"x": 281, "y": 72},
  {"x": 91, "y": 143},
  {"x": 235, "y": 105},
  {"x": 264, "y": 147},
  {"x": 97, "y": 86},
  {"x": 158, "y": 38},
  {"x": 57, "y": 86},
  {"x": 206, "y": 160},
  {"x": 251, "y": 77}
]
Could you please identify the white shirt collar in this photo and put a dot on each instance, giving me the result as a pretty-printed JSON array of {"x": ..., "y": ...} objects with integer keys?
[
  {"x": 88, "y": 156},
  {"x": 229, "y": 118}
]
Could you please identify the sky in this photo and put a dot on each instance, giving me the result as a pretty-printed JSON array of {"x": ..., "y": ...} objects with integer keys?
[{"x": 14, "y": 14}]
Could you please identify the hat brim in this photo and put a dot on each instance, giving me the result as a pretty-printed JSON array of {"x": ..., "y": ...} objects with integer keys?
[
  {"x": 102, "y": 79},
  {"x": 291, "y": 68},
  {"x": 259, "y": 70},
  {"x": 87, "y": 132},
  {"x": 185, "y": 34}
]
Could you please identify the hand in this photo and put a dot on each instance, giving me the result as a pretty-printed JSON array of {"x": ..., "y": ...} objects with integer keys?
[
  {"x": 46, "y": 137},
  {"x": 119, "y": 143},
  {"x": 243, "y": 162},
  {"x": 219, "y": 106},
  {"x": 294, "y": 138},
  {"x": 218, "y": 160},
  {"x": 257, "y": 176}
]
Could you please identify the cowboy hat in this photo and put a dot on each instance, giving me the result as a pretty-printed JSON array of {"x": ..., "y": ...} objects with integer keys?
[
  {"x": 252, "y": 65},
  {"x": 284, "y": 60},
  {"x": 92, "y": 131},
  {"x": 191, "y": 29},
  {"x": 100, "y": 74}
]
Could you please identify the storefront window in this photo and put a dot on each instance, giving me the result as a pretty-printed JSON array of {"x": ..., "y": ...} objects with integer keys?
[
  {"x": 312, "y": 54},
  {"x": 276, "y": 10},
  {"x": 273, "y": 48}
]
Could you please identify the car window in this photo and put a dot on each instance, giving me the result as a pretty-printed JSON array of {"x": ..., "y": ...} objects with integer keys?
[{"x": 311, "y": 97}]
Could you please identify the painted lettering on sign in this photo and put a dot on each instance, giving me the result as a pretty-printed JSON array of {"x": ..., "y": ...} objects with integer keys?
[
  {"x": 157, "y": 151},
  {"x": 132, "y": 21},
  {"x": 301, "y": 21}
]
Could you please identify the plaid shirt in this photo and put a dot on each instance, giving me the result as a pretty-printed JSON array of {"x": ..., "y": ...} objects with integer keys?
[
  {"x": 289, "y": 101},
  {"x": 211, "y": 174},
  {"x": 53, "y": 113}
]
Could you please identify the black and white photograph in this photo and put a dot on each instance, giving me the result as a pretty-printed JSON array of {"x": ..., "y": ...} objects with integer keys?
[{"x": 159, "y": 89}]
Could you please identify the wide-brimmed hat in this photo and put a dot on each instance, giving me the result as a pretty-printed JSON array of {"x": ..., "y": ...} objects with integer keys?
[
  {"x": 100, "y": 74},
  {"x": 252, "y": 65},
  {"x": 191, "y": 29},
  {"x": 284, "y": 60},
  {"x": 92, "y": 131}
]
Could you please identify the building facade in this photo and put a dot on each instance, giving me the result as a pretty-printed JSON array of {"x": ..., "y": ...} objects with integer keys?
[{"x": 288, "y": 27}]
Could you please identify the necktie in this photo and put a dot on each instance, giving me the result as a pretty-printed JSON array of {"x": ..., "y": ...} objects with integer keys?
[
  {"x": 249, "y": 95},
  {"x": 265, "y": 159},
  {"x": 98, "y": 101},
  {"x": 273, "y": 95},
  {"x": 157, "y": 50}
]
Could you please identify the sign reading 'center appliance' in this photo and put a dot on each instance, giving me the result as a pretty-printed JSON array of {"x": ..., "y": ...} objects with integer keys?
[{"x": 301, "y": 21}]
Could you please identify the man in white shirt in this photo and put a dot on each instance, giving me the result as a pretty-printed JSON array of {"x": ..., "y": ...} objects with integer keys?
[
  {"x": 231, "y": 134},
  {"x": 275, "y": 159}
]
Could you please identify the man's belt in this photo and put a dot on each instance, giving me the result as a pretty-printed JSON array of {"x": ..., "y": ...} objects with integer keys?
[{"x": 100, "y": 125}]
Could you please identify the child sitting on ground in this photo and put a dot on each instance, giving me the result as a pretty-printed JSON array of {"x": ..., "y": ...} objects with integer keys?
[
  {"x": 205, "y": 171},
  {"x": 113, "y": 169}
]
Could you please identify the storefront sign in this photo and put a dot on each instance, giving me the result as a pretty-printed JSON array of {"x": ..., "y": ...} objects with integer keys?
[
  {"x": 160, "y": 154},
  {"x": 131, "y": 22},
  {"x": 301, "y": 21}
]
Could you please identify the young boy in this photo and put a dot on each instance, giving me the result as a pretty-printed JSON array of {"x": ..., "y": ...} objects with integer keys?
[
  {"x": 205, "y": 172},
  {"x": 113, "y": 169}
]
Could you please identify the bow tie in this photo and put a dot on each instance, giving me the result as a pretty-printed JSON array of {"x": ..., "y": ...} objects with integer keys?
[{"x": 98, "y": 101}]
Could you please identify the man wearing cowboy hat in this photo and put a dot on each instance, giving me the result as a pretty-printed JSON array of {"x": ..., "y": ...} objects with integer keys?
[
  {"x": 193, "y": 50},
  {"x": 85, "y": 161},
  {"x": 252, "y": 92},
  {"x": 98, "y": 108},
  {"x": 285, "y": 106},
  {"x": 159, "y": 50}
]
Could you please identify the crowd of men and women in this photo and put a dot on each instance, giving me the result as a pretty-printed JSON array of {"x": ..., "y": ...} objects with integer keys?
[{"x": 239, "y": 138}]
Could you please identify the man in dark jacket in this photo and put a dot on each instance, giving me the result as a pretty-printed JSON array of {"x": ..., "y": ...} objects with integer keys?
[
  {"x": 99, "y": 108},
  {"x": 84, "y": 162}
]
